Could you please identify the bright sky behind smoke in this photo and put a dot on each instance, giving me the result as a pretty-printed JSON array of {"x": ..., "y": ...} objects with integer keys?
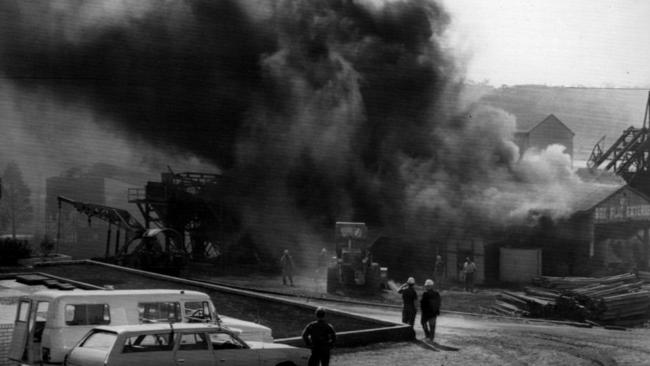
[{"x": 602, "y": 43}]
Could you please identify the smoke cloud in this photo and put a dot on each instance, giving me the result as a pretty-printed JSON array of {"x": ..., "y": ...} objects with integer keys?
[{"x": 318, "y": 111}]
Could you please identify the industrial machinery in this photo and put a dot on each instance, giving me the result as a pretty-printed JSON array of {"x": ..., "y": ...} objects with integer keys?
[
  {"x": 192, "y": 204},
  {"x": 353, "y": 268},
  {"x": 152, "y": 249},
  {"x": 629, "y": 156}
]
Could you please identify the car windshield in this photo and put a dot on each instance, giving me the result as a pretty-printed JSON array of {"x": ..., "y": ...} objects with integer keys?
[{"x": 100, "y": 340}]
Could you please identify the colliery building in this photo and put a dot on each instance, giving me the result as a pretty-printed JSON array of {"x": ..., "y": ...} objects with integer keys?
[
  {"x": 541, "y": 134},
  {"x": 607, "y": 231}
]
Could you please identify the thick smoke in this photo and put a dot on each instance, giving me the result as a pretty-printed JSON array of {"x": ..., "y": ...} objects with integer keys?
[{"x": 318, "y": 111}]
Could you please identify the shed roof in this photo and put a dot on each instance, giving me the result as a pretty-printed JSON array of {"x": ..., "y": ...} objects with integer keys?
[
  {"x": 587, "y": 199},
  {"x": 550, "y": 118}
]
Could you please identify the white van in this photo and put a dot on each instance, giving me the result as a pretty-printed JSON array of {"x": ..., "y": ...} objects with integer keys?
[{"x": 49, "y": 323}]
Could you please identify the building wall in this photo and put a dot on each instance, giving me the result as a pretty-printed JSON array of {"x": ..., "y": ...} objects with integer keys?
[
  {"x": 519, "y": 265},
  {"x": 551, "y": 132}
]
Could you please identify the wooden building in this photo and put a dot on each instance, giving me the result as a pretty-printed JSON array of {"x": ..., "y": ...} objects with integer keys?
[
  {"x": 542, "y": 134},
  {"x": 618, "y": 229}
]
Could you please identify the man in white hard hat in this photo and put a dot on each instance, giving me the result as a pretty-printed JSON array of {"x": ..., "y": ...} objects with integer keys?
[
  {"x": 409, "y": 297},
  {"x": 430, "y": 307}
]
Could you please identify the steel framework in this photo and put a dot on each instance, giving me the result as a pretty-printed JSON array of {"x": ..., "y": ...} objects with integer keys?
[{"x": 628, "y": 156}]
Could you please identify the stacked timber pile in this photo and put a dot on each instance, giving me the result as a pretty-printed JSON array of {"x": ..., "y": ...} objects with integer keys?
[
  {"x": 614, "y": 299},
  {"x": 644, "y": 276}
]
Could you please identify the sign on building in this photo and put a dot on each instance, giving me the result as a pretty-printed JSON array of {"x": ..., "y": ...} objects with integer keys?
[{"x": 624, "y": 205}]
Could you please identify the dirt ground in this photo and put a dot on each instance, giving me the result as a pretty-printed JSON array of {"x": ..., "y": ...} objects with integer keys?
[
  {"x": 488, "y": 341},
  {"x": 479, "y": 339}
]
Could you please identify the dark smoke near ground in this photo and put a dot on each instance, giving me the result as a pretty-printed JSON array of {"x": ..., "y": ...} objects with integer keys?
[{"x": 318, "y": 111}]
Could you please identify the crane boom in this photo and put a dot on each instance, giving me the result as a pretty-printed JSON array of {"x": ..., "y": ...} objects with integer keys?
[{"x": 115, "y": 216}]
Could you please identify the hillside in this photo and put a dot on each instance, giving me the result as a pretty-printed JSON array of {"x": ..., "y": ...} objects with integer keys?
[{"x": 589, "y": 113}]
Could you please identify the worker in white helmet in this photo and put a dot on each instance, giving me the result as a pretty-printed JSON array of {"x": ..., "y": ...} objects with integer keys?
[{"x": 430, "y": 307}]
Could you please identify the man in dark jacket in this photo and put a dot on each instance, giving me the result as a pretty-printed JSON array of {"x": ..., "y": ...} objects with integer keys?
[
  {"x": 320, "y": 337},
  {"x": 409, "y": 297},
  {"x": 287, "y": 267},
  {"x": 430, "y": 307}
]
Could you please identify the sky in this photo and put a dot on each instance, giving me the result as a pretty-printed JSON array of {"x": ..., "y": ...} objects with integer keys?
[{"x": 601, "y": 43}]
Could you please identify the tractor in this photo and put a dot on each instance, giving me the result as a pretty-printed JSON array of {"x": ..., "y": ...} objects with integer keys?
[{"x": 353, "y": 268}]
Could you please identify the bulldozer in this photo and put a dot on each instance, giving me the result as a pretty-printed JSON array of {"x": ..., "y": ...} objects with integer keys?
[{"x": 353, "y": 268}]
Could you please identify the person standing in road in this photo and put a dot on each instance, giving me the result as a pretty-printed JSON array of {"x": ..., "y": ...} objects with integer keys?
[
  {"x": 438, "y": 271},
  {"x": 287, "y": 267},
  {"x": 469, "y": 268},
  {"x": 410, "y": 298},
  {"x": 320, "y": 337},
  {"x": 430, "y": 308}
]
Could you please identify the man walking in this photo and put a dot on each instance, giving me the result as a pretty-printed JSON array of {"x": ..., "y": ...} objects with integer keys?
[
  {"x": 320, "y": 337},
  {"x": 469, "y": 268},
  {"x": 409, "y": 298},
  {"x": 287, "y": 267},
  {"x": 430, "y": 307}
]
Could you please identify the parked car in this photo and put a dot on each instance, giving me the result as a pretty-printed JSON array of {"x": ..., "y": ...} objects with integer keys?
[
  {"x": 48, "y": 323},
  {"x": 175, "y": 344}
]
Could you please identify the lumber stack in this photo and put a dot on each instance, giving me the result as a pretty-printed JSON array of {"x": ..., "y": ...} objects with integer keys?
[
  {"x": 615, "y": 299},
  {"x": 624, "y": 306},
  {"x": 644, "y": 276}
]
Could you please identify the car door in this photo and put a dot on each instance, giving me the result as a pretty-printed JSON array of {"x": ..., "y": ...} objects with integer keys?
[
  {"x": 19, "y": 350},
  {"x": 231, "y": 351},
  {"x": 193, "y": 349},
  {"x": 151, "y": 349}
]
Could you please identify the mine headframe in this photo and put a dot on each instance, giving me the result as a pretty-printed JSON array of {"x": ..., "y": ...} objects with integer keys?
[
  {"x": 628, "y": 156},
  {"x": 189, "y": 203}
]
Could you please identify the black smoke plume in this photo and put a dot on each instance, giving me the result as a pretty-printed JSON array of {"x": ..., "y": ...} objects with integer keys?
[{"x": 318, "y": 111}]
